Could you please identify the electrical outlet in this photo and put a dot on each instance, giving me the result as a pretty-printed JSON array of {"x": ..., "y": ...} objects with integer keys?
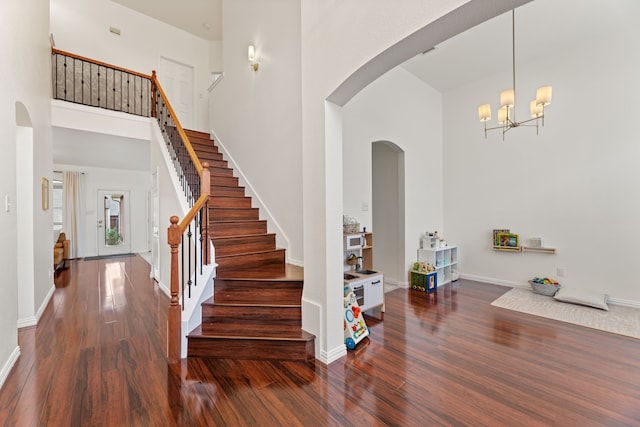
[
  {"x": 560, "y": 271},
  {"x": 365, "y": 206}
]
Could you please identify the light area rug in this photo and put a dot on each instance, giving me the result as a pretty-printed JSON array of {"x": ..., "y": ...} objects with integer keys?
[{"x": 619, "y": 319}]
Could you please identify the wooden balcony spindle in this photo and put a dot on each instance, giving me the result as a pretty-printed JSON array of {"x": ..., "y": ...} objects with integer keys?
[{"x": 154, "y": 94}]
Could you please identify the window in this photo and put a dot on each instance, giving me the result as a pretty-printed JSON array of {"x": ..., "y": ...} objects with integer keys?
[{"x": 56, "y": 205}]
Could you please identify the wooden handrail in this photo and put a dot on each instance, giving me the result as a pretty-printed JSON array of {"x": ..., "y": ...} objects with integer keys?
[
  {"x": 192, "y": 213},
  {"x": 104, "y": 64},
  {"x": 183, "y": 135}
]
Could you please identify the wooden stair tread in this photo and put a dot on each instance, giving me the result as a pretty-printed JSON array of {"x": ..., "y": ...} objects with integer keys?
[
  {"x": 264, "y": 331},
  {"x": 233, "y": 221},
  {"x": 250, "y": 304},
  {"x": 292, "y": 273},
  {"x": 245, "y": 243},
  {"x": 240, "y": 236},
  {"x": 253, "y": 253},
  {"x": 197, "y": 132},
  {"x": 239, "y": 218}
]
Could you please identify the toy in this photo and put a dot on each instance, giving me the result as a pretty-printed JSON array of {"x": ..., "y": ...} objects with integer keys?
[
  {"x": 544, "y": 281},
  {"x": 424, "y": 281},
  {"x": 423, "y": 267},
  {"x": 355, "y": 330}
]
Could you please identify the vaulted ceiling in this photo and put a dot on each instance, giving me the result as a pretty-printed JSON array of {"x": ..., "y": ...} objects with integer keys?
[
  {"x": 541, "y": 27},
  {"x": 202, "y": 18}
]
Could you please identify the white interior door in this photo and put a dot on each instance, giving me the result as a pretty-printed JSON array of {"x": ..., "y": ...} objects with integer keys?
[
  {"x": 114, "y": 231},
  {"x": 155, "y": 228},
  {"x": 176, "y": 80}
]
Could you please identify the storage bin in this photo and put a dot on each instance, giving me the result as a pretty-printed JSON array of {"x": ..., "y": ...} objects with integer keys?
[{"x": 425, "y": 282}]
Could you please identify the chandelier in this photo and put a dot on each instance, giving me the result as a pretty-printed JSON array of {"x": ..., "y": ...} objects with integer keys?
[{"x": 507, "y": 113}]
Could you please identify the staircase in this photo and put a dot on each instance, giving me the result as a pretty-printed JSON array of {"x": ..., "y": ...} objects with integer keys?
[{"x": 255, "y": 312}]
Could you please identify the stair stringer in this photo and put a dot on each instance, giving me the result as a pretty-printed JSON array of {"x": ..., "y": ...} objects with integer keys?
[{"x": 192, "y": 307}]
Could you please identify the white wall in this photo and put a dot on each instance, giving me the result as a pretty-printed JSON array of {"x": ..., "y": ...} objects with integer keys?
[
  {"x": 82, "y": 27},
  {"x": 256, "y": 115},
  {"x": 400, "y": 108},
  {"x": 25, "y": 54},
  {"x": 576, "y": 184}
]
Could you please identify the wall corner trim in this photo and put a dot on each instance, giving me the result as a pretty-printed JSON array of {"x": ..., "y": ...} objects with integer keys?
[{"x": 8, "y": 366}]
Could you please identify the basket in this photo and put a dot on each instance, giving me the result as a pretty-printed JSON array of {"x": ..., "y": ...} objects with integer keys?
[
  {"x": 351, "y": 228},
  {"x": 543, "y": 289}
]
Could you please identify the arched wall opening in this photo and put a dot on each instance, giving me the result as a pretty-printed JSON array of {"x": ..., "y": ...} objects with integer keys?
[
  {"x": 24, "y": 205},
  {"x": 322, "y": 307},
  {"x": 388, "y": 202}
]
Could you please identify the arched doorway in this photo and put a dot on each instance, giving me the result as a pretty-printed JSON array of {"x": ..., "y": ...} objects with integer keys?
[
  {"x": 388, "y": 201},
  {"x": 25, "y": 217}
]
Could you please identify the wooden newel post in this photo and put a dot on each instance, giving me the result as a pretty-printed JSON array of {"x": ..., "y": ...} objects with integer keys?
[
  {"x": 154, "y": 94},
  {"x": 205, "y": 188},
  {"x": 174, "y": 318}
]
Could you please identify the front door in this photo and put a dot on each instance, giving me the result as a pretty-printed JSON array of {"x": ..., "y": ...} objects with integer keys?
[{"x": 114, "y": 236}]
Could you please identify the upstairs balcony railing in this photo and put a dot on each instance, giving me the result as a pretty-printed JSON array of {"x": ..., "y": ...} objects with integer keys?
[
  {"x": 89, "y": 82},
  {"x": 97, "y": 84}
]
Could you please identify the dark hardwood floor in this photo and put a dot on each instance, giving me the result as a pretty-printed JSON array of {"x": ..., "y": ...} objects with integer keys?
[{"x": 97, "y": 359}]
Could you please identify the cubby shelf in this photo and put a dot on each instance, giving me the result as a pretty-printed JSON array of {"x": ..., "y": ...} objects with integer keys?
[{"x": 445, "y": 260}]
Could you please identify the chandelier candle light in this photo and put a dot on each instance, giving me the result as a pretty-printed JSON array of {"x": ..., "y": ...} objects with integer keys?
[{"x": 507, "y": 113}]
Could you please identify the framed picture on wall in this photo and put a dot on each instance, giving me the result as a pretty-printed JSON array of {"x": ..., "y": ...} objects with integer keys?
[
  {"x": 508, "y": 240},
  {"x": 496, "y": 235},
  {"x": 45, "y": 194}
]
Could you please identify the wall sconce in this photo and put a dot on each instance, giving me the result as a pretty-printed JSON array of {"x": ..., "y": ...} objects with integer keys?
[{"x": 252, "y": 58}]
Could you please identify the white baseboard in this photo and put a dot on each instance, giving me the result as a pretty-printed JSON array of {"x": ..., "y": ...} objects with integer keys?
[
  {"x": 295, "y": 262},
  {"x": 491, "y": 280},
  {"x": 45, "y": 303},
  {"x": 625, "y": 302},
  {"x": 610, "y": 300},
  {"x": 163, "y": 288},
  {"x": 397, "y": 283},
  {"x": 8, "y": 366},
  {"x": 26, "y": 322},
  {"x": 33, "y": 320},
  {"x": 327, "y": 357}
]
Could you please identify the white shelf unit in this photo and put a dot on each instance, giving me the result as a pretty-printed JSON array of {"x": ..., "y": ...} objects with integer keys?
[
  {"x": 445, "y": 259},
  {"x": 365, "y": 252}
]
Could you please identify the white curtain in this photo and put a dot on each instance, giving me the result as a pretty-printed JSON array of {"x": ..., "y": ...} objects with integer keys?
[{"x": 72, "y": 217}]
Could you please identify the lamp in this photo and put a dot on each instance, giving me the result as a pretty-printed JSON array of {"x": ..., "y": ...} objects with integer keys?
[
  {"x": 252, "y": 58},
  {"x": 507, "y": 113}
]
